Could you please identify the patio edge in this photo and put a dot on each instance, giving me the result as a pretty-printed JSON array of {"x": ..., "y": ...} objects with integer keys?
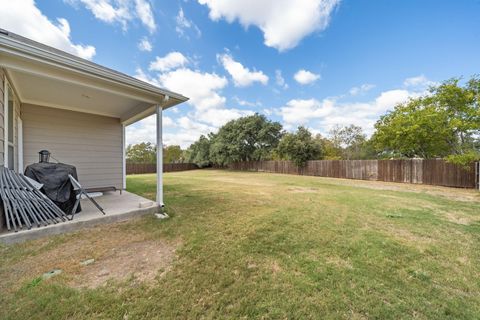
[{"x": 61, "y": 228}]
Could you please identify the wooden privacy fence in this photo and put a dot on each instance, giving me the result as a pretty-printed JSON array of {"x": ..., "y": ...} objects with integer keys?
[
  {"x": 433, "y": 171},
  {"x": 138, "y": 168}
]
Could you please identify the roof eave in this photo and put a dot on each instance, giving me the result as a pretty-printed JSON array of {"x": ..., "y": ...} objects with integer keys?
[{"x": 68, "y": 61}]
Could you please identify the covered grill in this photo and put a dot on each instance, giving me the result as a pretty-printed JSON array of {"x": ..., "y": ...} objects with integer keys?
[{"x": 56, "y": 183}]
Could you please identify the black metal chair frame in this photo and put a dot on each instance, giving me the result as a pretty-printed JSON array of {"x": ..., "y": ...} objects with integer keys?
[{"x": 79, "y": 192}]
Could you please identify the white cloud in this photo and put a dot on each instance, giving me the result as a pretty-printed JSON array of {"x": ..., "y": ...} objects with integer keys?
[
  {"x": 145, "y": 130},
  {"x": 201, "y": 88},
  {"x": 188, "y": 124},
  {"x": 120, "y": 11},
  {"x": 183, "y": 25},
  {"x": 145, "y": 14},
  {"x": 242, "y": 77},
  {"x": 419, "y": 82},
  {"x": 300, "y": 111},
  {"x": 305, "y": 77},
  {"x": 279, "y": 80},
  {"x": 183, "y": 131},
  {"x": 24, "y": 18},
  {"x": 388, "y": 99},
  {"x": 218, "y": 117},
  {"x": 189, "y": 128},
  {"x": 245, "y": 103},
  {"x": 361, "y": 89},
  {"x": 208, "y": 106},
  {"x": 145, "y": 45},
  {"x": 105, "y": 11},
  {"x": 187, "y": 132},
  {"x": 141, "y": 75},
  {"x": 268, "y": 111},
  {"x": 284, "y": 23},
  {"x": 323, "y": 114},
  {"x": 171, "y": 61}
]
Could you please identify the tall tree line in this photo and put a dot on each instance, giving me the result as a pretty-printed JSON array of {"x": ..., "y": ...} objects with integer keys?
[{"x": 444, "y": 123}]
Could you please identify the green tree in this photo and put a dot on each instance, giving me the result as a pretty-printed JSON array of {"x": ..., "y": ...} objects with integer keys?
[
  {"x": 299, "y": 147},
  {"x": 329, "y": 149},
  {"x": 444, "y": 123},
  {"x": 144, "y": 152},
  {"x": 349, "y": 140},
  {"x": 172, "y": 154},
  {"x": 199, "y": 152},
  {"x": 244, "y": 139}
]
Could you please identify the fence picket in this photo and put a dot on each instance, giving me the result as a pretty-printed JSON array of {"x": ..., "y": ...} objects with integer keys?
[
  {"x": 417, "y": 171},
  {"x": 139, "y": 168}
]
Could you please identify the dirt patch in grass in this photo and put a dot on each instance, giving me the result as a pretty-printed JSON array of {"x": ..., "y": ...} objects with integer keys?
[
  {"x": 275, "y": 267},
  {"x": 248, "y": 182},
  {"x": 339, "y": 262},
  {"x": 302, "y": 190},
  {"x": 401, "y": 234},
  {"x": 142, "y": 260},
  {"x": 458, "y": 218},
  {"x": 405, "y": 235},
  {"x": 118, "y": 254}
]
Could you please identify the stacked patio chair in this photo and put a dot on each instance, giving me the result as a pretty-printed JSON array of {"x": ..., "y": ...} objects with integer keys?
[{"x": 23, "y": 204}]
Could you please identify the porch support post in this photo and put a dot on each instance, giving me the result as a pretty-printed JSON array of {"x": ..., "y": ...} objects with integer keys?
[
  {"x": 159, "y": 157},
  {"x": 5, "y": 121},
  {"x": 124, "y": 161}
]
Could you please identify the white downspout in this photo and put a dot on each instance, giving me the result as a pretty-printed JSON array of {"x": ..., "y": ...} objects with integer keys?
[
  {"x": 124, "y": 161},
  {"x": 5, "y": 121},
  {"x": 160, "y": 154},
  {"x": 20, "y": 145}
]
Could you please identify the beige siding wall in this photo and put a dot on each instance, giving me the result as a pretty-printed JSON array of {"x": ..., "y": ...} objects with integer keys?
[
  {"x": 2, "y": 133},
  {"x": 92, "y": 143}
]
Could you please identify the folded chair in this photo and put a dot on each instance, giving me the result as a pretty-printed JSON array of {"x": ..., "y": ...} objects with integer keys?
[{"x": 80, "y": 193}]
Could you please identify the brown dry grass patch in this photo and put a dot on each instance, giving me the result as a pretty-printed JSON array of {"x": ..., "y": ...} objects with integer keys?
[
  {"x": 457, "y": 194},
  {"x": 119, "y": 254},
  {"x": 303, "y": 190}
]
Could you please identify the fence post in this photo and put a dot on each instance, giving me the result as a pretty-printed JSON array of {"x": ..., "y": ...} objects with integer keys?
[{"x": 477, "y": 175}]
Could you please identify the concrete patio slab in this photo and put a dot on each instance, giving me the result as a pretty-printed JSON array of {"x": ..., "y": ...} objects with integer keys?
[{"x": 118, "y": 207}]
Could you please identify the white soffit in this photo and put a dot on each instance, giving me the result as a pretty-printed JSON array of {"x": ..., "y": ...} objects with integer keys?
[{"x": 50, "y": 92}]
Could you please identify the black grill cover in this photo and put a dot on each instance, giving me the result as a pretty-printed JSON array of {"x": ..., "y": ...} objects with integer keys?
[{"x": 56, "y": 184}]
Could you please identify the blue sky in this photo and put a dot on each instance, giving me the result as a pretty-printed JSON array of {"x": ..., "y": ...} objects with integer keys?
[{"x": 316, "y": 63}]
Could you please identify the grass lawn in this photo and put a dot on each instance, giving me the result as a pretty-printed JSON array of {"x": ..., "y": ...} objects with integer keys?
[{"x": 254, "y": 245}]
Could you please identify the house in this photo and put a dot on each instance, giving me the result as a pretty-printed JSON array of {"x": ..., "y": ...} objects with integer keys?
[{"x": 76, "y": 109}]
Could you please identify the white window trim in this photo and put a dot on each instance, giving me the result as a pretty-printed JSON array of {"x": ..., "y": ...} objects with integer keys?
[{"x": 6, "y": 142}]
